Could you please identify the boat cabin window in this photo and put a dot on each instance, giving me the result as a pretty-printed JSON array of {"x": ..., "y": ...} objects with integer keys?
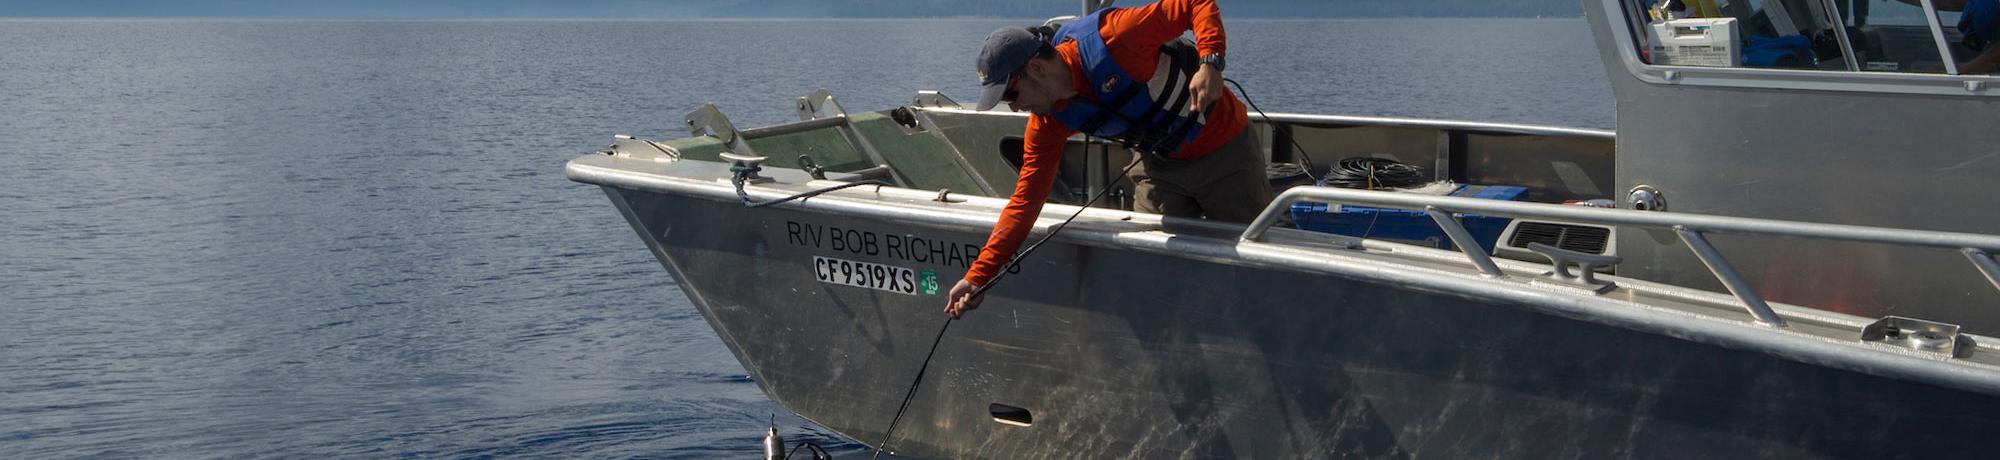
[
  {"x": 1900, "y": 36},
  {"x": 1897, "y": 36}
]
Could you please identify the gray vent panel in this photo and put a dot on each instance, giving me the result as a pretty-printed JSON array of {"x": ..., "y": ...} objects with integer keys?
[{"x": 1592, "y": 240}]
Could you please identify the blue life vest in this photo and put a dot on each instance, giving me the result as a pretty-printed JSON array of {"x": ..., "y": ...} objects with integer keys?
[
  {"x": 1981, "y": 23},
  {"x": 1152, "y": 116}
]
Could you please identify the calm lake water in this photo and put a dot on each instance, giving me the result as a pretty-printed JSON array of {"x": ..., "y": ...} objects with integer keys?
[{"x": 238, "y": 238}]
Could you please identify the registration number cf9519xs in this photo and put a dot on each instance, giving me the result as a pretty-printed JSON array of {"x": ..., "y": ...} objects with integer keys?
[{"x": 865, "y": 275}]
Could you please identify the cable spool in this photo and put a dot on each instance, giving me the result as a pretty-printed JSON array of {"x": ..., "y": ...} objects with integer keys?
[
  {"x": 1286, "y": 175},
  {"x": 1369, "y": 173}
]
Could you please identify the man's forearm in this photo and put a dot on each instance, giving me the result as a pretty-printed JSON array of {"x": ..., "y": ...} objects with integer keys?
[{"x": 1987, "y": 62}]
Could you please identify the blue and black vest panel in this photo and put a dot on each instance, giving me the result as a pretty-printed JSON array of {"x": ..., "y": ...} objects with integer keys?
[{"x": 1152, "y": 117}]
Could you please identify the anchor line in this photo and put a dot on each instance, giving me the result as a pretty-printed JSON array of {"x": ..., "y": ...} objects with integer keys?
[{"x": 1011, "y": 263}]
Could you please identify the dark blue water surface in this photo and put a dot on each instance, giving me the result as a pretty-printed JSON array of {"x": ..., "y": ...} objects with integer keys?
[{"x": 298, "y": 239}]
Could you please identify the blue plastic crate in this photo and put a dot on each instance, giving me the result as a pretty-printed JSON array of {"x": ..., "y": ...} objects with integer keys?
[
  {"x": 1491, "y": 192},
  {"x": 1408, "y": 226}
]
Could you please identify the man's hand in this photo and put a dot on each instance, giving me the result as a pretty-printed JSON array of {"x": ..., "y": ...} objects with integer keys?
[
  {"x": 1206, "y": 87},
  {"x": 961, "y": 299}
]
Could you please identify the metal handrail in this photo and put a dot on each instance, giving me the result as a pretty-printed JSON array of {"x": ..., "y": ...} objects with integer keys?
[
  {"x": 795, "y": 127},
  {"x": 1461, "y": 238},
  {"x": 709, "y": 118},
  {"x": 1986, "y": 265},
  {"x": 821, "y": 99},
  {"x": 1727, "y": 274},
  {"x": 1937, "y": 33},
  {"x": 1438, "y": 124},
  {"x": 1692, "y": 228},
  {"x": 1353, "y": 120}
]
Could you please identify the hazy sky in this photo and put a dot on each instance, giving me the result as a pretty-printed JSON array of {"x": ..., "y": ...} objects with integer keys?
[{"x": 743, "y": 8}]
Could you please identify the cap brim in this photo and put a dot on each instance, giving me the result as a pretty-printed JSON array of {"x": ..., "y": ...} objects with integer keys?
[{"x": 989, "y": 95}]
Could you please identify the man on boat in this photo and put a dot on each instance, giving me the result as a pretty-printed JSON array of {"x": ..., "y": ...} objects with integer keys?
[
  {"x": 1123, "y": 74},
  {"x": 1979, "y": 21}
]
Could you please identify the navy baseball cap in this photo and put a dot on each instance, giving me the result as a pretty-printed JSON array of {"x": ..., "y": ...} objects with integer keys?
[{"x": 1005, "y": 52}]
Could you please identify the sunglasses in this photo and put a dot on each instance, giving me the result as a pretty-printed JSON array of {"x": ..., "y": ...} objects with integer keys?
[{"x": 1011, "y": 93}]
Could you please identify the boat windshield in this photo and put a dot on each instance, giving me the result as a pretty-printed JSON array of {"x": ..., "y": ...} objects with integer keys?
[{"x": 1903, "y": 36}]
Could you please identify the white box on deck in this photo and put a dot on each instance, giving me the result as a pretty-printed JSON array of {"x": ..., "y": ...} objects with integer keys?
[{"x": 1709, "y": 42}]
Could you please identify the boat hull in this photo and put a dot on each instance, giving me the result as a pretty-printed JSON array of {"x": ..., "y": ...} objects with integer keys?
[{"x": 1148, "y": 354}]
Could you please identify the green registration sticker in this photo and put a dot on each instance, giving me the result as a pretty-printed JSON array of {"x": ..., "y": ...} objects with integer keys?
[{"x": 927, "y": 280}]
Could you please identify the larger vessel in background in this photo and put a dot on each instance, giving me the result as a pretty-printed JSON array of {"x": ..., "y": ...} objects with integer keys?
[{"x": 1803, "y": 266}]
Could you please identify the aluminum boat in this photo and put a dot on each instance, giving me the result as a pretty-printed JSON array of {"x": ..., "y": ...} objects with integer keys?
[{"x": 1800, "y": 265}]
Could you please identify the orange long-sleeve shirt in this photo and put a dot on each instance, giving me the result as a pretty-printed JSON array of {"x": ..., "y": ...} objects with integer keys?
[{"x": 1134, "y": 36}]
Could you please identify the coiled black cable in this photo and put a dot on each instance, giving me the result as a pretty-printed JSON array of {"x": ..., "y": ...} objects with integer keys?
[{"x": 1370, "y": 173}]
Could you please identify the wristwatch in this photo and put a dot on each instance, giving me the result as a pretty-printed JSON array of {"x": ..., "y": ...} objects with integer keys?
[{"x": 1214, "y": 59}]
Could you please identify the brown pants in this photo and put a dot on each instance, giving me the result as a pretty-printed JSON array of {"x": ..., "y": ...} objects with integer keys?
[{"x": 1229, "y": 184}]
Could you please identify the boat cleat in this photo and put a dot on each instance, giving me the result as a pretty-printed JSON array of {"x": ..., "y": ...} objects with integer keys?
[
  {"x": 1585, "y": 279},
  {"x": 746, "y": 168}
]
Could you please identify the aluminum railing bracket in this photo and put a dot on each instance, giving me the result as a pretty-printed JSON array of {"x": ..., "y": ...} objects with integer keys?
[{"x": 1919, "y": 335}]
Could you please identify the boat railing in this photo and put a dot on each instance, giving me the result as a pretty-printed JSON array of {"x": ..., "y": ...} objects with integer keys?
[
  {"x": 1452, "y": 150},
  {"x": 1691, "y": 228},
  {"x": 1434, "y": 124},
  {"x": 1461, "y": 151}
]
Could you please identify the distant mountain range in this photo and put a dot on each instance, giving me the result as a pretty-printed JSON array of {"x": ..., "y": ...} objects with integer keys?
[{"x": 752, "y": 8}]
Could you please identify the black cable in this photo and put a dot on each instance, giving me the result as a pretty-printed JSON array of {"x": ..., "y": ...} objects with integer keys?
[
  {"x": 1307, "y": 159},
  {"x": 1011, "y": 262},
  {"x": 818, "y": 452},
  {"x": 1374, "y": 173},
  {"x": 912, "y": 393},
  {"x": 744, "y": 171},
  {"x": 1016, "y": 261}
]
